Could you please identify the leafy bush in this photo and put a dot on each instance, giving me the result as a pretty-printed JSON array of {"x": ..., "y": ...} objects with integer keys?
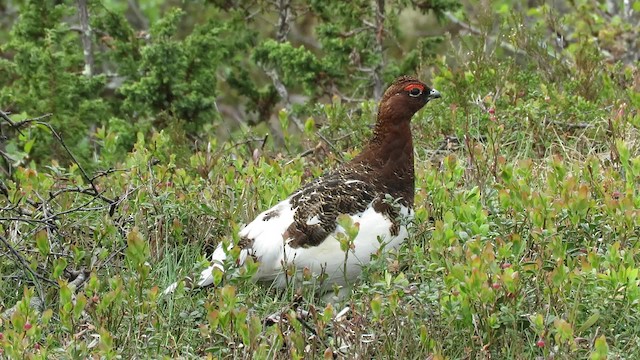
[{"x": 525, "y": 242}]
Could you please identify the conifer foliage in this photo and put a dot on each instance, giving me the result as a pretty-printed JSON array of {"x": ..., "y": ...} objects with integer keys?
[{"x": 138, "y": 136}]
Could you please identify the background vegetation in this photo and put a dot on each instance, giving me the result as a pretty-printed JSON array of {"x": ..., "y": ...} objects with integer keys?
[{"x": 137, "y": 135}]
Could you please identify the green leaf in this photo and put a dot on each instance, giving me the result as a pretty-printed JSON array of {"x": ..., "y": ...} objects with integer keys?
[
  {"x": 81, "y": 301},
  {"x": 309, "y": 126},
  {"x": 137, "y": 249},
  {"x": 564, "y": 331},
  {"x": 623, "y": 150},
  {"x": 589, "y": 322},
  {"x": 42, "y": 242},
  {"x": 376, "y": 306},
  {"x": 59, "y": 265},
  {"x": 65, "y": 293},
  {"x": 601, "y": 349},
  {"x": 28, "y": 145}
]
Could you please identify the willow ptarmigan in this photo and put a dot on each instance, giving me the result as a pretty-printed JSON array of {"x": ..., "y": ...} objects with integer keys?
[{"x": 376, "y": 189}]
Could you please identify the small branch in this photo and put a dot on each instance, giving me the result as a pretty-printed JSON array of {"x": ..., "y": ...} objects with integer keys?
[
  {"x": 26, "y": 220},
  {"x": 284, "y": 10},
  {"x": 19, "y": 124},
  {"x": 284, "y": 17},
  {"x": 103, "y": 173},
  {"x": 6, "y": 118},
  {"x": 35, "y": 303},
  {"x": 280, "y": 88},
  {"x": 79, "y": 208},
  {"x": 90, "y": 180},
  {"x": 378, "y": 49},
  {"x": 93, "y": 189},
  {"x": 356, "y": 31},
  {"x": 301, "y": 155},
  {"x": 59, "y": 138},
  {"x": 85, "y": 191},
  {"x": 79, "y": 277},
  {"x": 104, "y": 263},
  {"x": 348, "y": 98},
  {"x": 568, "y": 126},
  {"x": 333, "y": 147},
  {"x": 470, "y": 28},
  {"x": 85, "y": 35},
  {"x": 18, "y": 209},
  {"x": 263, "y": 140},
  {"x": 284, "y": 95},
  {"x": 25, "y": 264},
  {"x": 135, "y": 9}
]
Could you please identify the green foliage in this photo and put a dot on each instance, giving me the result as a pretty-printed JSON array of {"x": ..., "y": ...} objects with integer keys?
[
  {"x": 169, "y": 76},
  {"x": 525, "y": 241},
  {"x": 45, "y": 76},
  {"x": 298, "y": 64}
]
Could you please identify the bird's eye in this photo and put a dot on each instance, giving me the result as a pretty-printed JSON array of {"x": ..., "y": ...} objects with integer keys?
[{"x": 414, "y": 90}]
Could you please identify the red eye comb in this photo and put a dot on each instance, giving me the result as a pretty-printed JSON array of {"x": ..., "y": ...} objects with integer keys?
[{"x": 414, "y": 86}]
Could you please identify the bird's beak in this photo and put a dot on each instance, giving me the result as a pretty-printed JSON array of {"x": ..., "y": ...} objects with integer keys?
[{"x": 434, "y": 94}]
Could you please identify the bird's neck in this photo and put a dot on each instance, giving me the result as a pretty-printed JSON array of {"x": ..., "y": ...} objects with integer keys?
[{"x": 390, "y": 154}]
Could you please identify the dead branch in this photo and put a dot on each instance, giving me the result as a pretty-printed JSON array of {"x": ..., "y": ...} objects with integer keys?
[
  {"x": 35, "y": 303},
  {"x": 25, "y": 265},
  {"x": 378, "y": 49},
  {"x": 43, "y": 216},
  {"x": 473, "y": 30},
  {"x": 77, "y": 277},
  {"x": 93, "y": 190},
  {"x": 301, "y": 155},
  {"x": 6, "y": 118},
  {"x": 143, "y": 22},
  {"x": 284, "y": 19},
  {"x": 85, "y": 35}
]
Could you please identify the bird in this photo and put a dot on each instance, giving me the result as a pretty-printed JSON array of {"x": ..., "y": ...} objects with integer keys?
[{"x": 374, "y": 192}]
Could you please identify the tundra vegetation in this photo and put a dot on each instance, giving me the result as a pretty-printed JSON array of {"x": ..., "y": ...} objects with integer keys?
[{"x": 137, "y": 135}]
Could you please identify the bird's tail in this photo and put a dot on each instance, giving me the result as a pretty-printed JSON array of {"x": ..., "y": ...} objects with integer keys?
[{"x": 206, "y": 276}]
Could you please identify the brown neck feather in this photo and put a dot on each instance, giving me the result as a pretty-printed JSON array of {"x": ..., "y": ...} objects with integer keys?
[{"x": 390, "y": 154}]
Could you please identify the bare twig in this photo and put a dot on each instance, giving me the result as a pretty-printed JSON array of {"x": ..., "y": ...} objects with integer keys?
[
  {"x": 284, "y": 18},
  {"x": 135, "y": 9},
  {"x": 6, "y": 118},
  {"x": 106, "y": 172},
  {"x": 45, "y": 215},
  {"x": 26, "y": 220},
  {"x": 79, "y": 190},
  {"x": 35, "y": 303},
  {"x": 111, "y": 257},
  {"x": 79, "y": 208},
  {"x": 332, "y": 146},
  {"x": 79, "y": 277},
  {"x": 85, "y": 35},
  {"x": 470, "y": 28},
  {"x": 284, "y": 95},
  {"x": 25, "y": 265},
  {"x": 24, "y": 122},
  {"x": 569, "y": 126},
  {"x": 90, "y": 180},
  {"x": 17, "y": 209},
  {"x": 377, "y": 70},
  {"x": 301, "y": 155}
]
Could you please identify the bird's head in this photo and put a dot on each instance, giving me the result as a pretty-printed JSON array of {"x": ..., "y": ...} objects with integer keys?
[{"x": 404, "y": 97}]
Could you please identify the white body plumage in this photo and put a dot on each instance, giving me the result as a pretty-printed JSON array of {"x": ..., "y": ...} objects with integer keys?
[{"x": 274, "y": 254}]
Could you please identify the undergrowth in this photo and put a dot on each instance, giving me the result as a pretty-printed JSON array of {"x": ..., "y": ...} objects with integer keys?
[{"x": 525, "y": 242}]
